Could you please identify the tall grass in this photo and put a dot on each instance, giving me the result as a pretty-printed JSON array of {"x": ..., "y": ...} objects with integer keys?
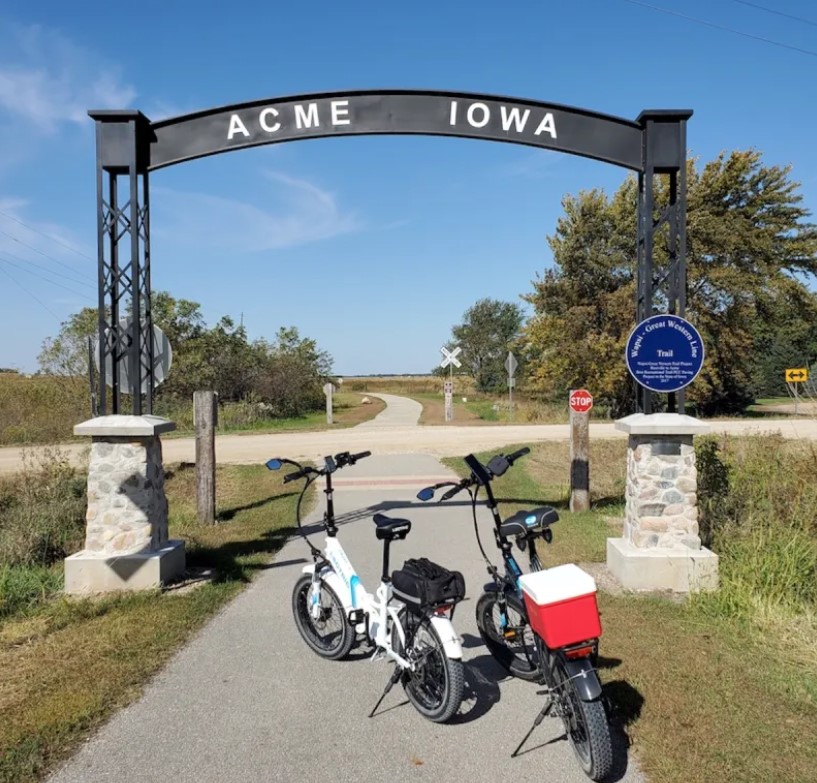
[
  {"x": 42, "y": 519},
  {"x": 758, "y": 507},
  {"x": 41, "y": 409}
]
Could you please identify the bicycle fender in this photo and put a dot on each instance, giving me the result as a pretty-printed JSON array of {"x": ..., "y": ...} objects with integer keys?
[
  {"x": 584, "y": 678},
  {"x": 336, "y": 583},
  {"x": 448, "y": 636}
]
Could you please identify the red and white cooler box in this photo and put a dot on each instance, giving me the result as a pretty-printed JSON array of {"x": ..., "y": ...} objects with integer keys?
[{"x": 561, "y": 604}]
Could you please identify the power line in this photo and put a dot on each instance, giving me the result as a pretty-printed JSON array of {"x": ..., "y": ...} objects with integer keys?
[
  {"x": 21, "y": 260},
  {"x": 722, "y": 27},
  {"x": 39, "y": 301},
  {"x": 31, "y": 247},
  {"x": 779, "y": 13},
  {"x": 47, "y": 280},
  {"x": 47, "y": 236}
]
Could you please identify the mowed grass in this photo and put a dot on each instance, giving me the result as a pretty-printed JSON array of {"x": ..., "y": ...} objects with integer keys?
[
  {"x": 348, "y": 411},
  {"x": 479, "y": 409},
  {"x": 703, "y": 695},
  {"x": 69, "y": 664}
]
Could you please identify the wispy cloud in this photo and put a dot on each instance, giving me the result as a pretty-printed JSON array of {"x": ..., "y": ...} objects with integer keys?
[
  {"x": 46, "y": 80},
  {"x": 299, "y": 212},
  {"x": 163, "y": 110},
  {"x": 532, "y": 165}
]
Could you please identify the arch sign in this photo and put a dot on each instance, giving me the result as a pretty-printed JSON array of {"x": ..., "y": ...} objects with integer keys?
[
  {"x": 545, "y": 125},
  {"x": 130, "y": 146}
]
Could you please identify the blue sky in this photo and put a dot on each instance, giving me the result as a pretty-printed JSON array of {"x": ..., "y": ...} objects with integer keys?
[{"x": 374, "y": 246}]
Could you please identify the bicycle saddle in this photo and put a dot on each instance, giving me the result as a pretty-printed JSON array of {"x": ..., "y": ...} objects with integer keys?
[
  {"x": 524, "y": 522},
  {"x": 390, "y": 528}
]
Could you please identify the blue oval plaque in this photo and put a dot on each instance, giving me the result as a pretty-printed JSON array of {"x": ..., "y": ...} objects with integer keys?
[{"x": 664, "y": 353}]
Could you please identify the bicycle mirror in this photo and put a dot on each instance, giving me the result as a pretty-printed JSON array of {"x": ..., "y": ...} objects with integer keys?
[
  {"x": 425, "y": 494},
  {"x": 274, "y": 464}
]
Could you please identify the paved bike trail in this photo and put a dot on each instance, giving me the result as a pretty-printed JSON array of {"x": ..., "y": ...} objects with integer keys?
[
  {"x": 246, "y": 700},
  {"x": 399, "y": 412}
]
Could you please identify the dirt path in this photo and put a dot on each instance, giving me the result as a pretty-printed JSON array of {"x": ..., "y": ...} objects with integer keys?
[{"x": 436, "y": 441}]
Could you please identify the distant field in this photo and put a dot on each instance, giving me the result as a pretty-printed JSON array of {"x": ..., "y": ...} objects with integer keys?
[{"x": 407, "y": 385}]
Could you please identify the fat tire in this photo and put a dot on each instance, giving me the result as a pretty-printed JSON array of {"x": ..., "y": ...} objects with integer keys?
[
  {"x": 453, "y": 673},
  {"x": 305, "y": 624},
  {"x": 593, "y": 719},
  {"x": 514, "y": 663}
]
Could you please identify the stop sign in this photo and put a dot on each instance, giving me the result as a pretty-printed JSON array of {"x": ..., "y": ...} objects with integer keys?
[{"x": 581, "y": 400}]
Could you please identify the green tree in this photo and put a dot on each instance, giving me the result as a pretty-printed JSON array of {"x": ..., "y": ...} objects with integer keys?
[
  {"x": 750, "y": 250},
  {"x": 219, "y": 359},
  {"x": 287, "y": 374},
  {"x": 295, "y": 370},
  {"x": 489, "y": 329},
  {"x": 67, "y": 353}
]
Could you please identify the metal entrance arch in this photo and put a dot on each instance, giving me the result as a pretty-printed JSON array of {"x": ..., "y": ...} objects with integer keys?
[{"x": 129, "y": 146}]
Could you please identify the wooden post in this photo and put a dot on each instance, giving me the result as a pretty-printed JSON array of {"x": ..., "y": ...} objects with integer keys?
[
  {"x": 579, "y": 461},
  {"x": 205, "y": 413}
]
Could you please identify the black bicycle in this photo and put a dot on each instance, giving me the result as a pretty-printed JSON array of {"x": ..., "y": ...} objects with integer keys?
[{"x": 566, "y": 669}]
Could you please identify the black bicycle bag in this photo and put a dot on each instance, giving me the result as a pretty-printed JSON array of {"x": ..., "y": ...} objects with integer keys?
[{"x": 422, "y": 584}]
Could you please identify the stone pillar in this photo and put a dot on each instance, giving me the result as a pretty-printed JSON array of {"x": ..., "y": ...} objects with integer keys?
[
  {"x": 126, "y": 538},
  {"x": 660, "y": 548}
]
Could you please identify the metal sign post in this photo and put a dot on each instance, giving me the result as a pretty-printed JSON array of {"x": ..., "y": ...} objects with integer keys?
[
  {"x": 510, "y": 365},
  {"x": 450, "y": 360},
  {"x": 794, "y": 376}
]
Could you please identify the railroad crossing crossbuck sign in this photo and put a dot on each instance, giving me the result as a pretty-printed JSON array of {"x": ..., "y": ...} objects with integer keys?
[
  {"x": 450, "y": 357},
  {"x": 797, "y": 375}
]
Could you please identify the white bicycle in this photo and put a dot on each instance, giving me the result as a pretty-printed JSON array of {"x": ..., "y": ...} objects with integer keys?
[{"x": 407, "y": 619}]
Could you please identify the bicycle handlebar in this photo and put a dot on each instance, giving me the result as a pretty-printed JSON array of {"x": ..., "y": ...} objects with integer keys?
[
  {"x": 340, "y": 460},
  {"x": 345, "y": 458},
  {"x": 517, "y": 454},
  {"x": 456, "y": 489},
  {"x": 296, "y": 475}
]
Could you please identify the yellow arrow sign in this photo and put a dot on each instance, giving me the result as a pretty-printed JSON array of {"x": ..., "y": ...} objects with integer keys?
[{"x": 797, "y": 375}]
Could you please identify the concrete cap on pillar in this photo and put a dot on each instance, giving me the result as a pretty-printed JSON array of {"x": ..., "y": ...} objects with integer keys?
[
  {"x": 662, "y": 424},
  {"x": 124, "y": 426}
]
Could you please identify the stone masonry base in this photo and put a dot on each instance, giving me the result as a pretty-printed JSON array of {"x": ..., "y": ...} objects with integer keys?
[
  {"x": 662, "y": 568},
  {"x": 86, "y": 573}
]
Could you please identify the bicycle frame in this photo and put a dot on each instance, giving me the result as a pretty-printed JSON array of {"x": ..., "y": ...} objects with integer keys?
[{"x": 512, "y": 568}]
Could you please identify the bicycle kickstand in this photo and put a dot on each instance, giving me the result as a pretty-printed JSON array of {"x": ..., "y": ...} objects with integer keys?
[
  {"x": 539, "y": 718},
  {"x": 395, "y": 676}
]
